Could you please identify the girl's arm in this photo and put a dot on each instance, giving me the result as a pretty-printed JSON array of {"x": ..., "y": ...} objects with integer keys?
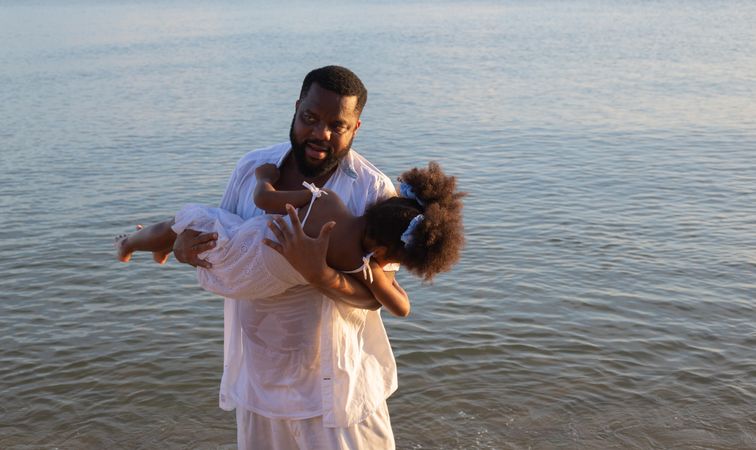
[
  {"x": 387, "y": 291},
  {"x": 273, "y": 201}
]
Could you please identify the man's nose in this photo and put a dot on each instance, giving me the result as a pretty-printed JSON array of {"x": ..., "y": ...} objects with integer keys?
[{"x": 321, "y": 131}]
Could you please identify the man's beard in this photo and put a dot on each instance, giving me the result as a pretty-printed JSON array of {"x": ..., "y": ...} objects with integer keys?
[{"x": 308, "y": 170}]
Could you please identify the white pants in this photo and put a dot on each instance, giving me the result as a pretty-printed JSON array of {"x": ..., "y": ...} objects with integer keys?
[{"x": 254, "y": 431}]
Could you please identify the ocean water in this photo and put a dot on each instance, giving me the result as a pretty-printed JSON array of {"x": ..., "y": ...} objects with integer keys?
[{"x": 606, "y": 295}]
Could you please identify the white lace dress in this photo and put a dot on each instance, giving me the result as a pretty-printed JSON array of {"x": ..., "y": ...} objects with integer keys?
[{"x": 243, "y": 267}]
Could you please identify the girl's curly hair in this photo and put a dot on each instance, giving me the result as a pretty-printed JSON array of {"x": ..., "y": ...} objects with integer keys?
[{"x": 436, "y": 241}]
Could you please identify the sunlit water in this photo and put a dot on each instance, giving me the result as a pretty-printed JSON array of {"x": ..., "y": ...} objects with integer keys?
[{"x": 605, "y": 298}]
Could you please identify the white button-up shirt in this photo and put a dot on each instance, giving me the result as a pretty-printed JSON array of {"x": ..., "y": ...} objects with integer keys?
[{"x": 300, "y": 354}]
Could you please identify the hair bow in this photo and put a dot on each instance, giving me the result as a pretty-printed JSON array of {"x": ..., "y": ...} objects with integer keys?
[
  {"x": 407, "y": 235},
  {"x": 407, "y": 192}
]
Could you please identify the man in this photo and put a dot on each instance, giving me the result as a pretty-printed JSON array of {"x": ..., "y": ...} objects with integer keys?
[{"x": 312, "y": 367}]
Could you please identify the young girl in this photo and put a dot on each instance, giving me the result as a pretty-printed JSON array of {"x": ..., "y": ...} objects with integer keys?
[{"x": 421, "y": 230}]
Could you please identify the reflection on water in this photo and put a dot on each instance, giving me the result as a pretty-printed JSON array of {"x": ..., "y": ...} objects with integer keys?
[{"x": 605, "y": 297}]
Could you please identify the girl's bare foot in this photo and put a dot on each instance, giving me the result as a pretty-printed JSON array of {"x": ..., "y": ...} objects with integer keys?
[
  {"x": 122, "y": 253},
  {"x": 161, "y": 257}
]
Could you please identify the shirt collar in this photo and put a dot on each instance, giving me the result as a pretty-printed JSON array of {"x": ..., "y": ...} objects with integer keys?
[{"x": 346, "y": 165}]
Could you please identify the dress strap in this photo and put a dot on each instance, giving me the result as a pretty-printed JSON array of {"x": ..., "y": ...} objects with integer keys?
[
  {"x": 316, "y": 193},
  {"x": 367, "y": 272}
]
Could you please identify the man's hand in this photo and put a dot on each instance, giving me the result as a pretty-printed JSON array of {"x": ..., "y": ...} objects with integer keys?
[
  {"x": 267, "y": 172},
  {"x": 305, "y": 254},
  {"x": 308, "y": 257},
  {"x": 189, "y": 244}
]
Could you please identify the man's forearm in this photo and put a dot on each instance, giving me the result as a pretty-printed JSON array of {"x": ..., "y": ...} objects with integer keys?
[
  {"x": 344, "y": 288},
  {"x": 308, "y": 257}
]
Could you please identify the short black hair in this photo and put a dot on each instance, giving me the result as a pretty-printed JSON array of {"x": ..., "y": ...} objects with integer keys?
[{"x": 339, "y": 80}]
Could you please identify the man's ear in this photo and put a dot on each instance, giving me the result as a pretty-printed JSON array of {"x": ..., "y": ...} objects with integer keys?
[
  {"x": 296, "y": 104},
  {"x": 357, "y": 127}
]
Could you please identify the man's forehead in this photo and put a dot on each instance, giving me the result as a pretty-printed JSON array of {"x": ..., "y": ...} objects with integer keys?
[{"x": 320, "y": 98}]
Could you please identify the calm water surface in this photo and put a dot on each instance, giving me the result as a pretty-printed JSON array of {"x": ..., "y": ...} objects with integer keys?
[{"x": 606, "y": 295}]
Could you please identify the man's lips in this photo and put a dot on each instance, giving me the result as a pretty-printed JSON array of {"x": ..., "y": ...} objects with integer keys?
[{"x": 316, "y": 151}]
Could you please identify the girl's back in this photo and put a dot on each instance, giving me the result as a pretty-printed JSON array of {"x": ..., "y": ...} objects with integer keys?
[{"x": 345, "y": 250}]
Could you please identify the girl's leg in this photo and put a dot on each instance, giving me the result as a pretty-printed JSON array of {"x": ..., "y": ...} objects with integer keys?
[{"x": 157, "y": 238}]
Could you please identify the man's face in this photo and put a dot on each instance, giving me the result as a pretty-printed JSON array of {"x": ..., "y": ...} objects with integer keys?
[{"x": 322, "y": 130}]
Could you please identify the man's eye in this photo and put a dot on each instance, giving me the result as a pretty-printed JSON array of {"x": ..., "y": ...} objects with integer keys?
[
  {"x": 308, "y": 118},
  {"x": 340, "y": 129}
]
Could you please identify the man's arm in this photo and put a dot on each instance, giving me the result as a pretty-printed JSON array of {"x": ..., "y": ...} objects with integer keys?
[
  {"x": 308, "y": 257},
  {"x": 341, "y": 287}
]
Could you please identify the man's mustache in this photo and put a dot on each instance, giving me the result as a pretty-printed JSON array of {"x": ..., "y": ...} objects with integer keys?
[{"x": 320, "y": 144}]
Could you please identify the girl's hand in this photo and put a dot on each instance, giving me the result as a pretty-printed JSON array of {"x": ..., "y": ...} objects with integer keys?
[
  {"x": 267, "y": 172},
  {"x": 387, "y": 291}
]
